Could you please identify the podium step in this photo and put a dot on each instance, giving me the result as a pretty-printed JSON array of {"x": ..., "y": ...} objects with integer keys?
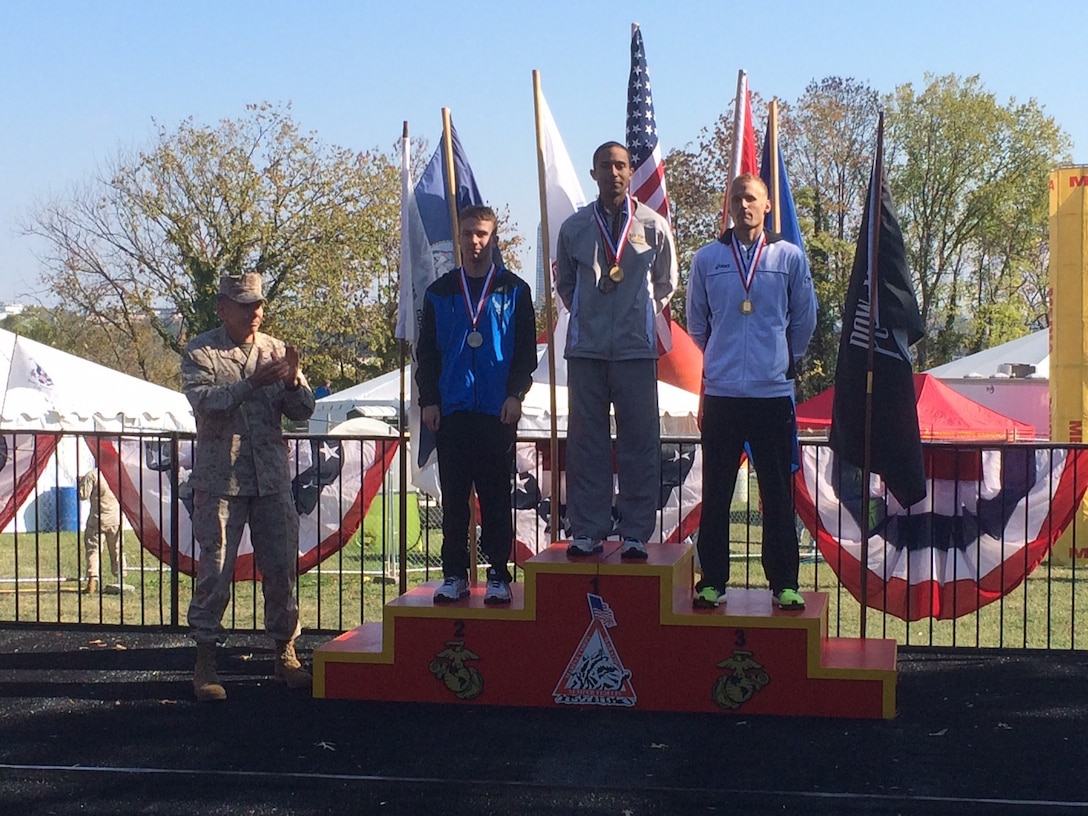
[{"x": 602, "y": 631}]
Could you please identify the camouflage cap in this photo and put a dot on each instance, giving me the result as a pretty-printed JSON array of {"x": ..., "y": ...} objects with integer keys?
[{"x": 245, "y": 288}]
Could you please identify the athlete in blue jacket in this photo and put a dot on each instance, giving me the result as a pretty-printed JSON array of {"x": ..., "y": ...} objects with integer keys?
[{"x": 475, "y": 359}]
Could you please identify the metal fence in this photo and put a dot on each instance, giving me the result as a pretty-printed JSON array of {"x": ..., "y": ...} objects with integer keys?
[{"x": 378, "y": 551}]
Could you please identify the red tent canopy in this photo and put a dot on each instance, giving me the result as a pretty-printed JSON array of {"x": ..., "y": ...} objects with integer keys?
[{"x": 943, "y": 414}]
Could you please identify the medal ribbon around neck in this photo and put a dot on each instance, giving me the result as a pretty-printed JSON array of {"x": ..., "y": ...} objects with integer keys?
[
  {"x": 747, "y": 270},
  {"x": 614, "y": 249},
  {"x": 474, "y": 313}
]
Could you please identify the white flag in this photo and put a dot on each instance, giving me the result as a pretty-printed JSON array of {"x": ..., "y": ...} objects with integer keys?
[{"x": 564, "y": 197}]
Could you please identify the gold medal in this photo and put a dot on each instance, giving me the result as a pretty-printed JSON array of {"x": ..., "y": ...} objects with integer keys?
[
  {"x": 746, "y": 307},
  {"x": 615, "y": 273}
]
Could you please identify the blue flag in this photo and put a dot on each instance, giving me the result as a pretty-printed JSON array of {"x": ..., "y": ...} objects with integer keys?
[
  {"x": 790, "y": 227},
  {"x": 426, "y": 254},
  {"x": 433, "y": 203}
]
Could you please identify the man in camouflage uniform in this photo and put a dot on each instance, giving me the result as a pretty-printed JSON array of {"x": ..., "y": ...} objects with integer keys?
[
  {"x": 241, "y": 383},
  {"x": 103, "y": 528}
]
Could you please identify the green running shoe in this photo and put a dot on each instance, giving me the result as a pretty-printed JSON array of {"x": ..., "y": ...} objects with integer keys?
[
  {"x": 789, "y": 599},
  {"x": 707, "y": 598}
]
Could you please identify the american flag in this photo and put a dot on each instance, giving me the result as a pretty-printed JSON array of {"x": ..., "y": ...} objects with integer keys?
[
  {"x": 648, "y": 181},
  {"x": 600, "y": 610}
]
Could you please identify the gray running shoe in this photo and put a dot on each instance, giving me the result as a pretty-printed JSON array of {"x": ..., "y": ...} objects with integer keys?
[
  {"x": 451, "y": 591},
  {"x": 634, "y": 549},
  {"x": 584, "y": 545},
  {"x": 497, "y": 592}
]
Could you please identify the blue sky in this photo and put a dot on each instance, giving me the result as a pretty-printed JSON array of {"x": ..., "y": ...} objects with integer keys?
[{"x": 80, "y": 80}]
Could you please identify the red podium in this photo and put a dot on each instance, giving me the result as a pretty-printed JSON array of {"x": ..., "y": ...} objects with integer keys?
[{"x": 605, "y": 632}]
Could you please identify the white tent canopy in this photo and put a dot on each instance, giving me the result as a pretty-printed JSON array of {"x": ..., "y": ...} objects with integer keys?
[
  {"x": 1012, "y": 378},
  {"x": 48, "y": 389},
  {"x": 380, "y": 397},
  {"x": 1003, "y": 361}
]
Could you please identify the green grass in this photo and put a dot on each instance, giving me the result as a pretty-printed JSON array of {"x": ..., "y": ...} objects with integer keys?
[
  {"x": 1044, "y": 612},
  {"x": 353, "y": 585}
]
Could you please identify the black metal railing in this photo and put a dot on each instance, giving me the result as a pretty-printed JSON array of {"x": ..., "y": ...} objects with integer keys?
[{"x": 976, "y": 570}]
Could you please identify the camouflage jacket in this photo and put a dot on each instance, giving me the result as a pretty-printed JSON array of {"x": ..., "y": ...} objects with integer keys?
[
  {"x": 240, "y": 449},
  {"x": 105, "y": 511}
]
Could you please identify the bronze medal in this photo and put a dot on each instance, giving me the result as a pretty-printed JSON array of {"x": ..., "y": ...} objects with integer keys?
[
  {"x": 746, "y": 307},
  {"x": 475, "y": 339},
  {"x": 606, "y": 285},
  {"x": 615, "y": 273}
]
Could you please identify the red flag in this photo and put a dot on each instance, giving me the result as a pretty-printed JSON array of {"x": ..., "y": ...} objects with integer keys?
[{"x": 744, "y": 143}]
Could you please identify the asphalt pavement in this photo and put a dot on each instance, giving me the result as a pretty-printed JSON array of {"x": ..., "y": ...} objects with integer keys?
[{"x": 103, "y": 722}]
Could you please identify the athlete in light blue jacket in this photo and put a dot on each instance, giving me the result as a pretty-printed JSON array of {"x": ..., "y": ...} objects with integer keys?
[{"x": 751, "y": 308}]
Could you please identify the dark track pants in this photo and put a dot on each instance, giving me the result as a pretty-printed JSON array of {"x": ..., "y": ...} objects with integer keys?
[
  {"x": 768, "y": 426},
  {"x": 478, "y": 449}
]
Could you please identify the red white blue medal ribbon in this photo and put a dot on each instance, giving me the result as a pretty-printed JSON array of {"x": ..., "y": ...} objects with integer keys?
[
  {"x": 747, "y": 267},
  {"x": 614, "y": 249},
  {"x": 475, "y": 339}
]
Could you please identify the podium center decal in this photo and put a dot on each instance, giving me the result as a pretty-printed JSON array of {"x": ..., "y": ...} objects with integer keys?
[{"x": 595, "y": 674}]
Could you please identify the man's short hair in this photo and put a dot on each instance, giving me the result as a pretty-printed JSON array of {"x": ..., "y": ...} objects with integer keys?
[
  {"x": 609, "y": 146},
  {"x": 478, "y": 212},
  {"x": 743, "y": 177}
]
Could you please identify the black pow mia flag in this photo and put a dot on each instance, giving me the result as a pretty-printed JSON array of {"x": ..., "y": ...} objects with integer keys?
[{"x": 881, "y": 298}]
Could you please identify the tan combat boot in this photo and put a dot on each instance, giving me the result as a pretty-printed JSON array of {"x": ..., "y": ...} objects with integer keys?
[
  {"x": 288, "y": 669},
  {"x": 92, "y": 586},
  {"x": 206, "y": 684}
]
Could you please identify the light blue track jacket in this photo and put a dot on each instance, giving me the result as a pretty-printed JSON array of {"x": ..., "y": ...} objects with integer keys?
[{"x": 751, "y": 355}]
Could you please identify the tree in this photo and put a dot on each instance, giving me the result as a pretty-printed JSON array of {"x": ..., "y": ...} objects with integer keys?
[
  {"x": 969, "y": 177},
  {"x": 697, "y": 175},
  {"x": 139, "y": 353},
  {"x": 143, "y": 244},
  {"x": 827, "y": 139}
]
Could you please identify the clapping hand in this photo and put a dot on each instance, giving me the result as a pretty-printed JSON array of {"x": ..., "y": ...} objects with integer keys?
[{"x": 270, "y": 369}]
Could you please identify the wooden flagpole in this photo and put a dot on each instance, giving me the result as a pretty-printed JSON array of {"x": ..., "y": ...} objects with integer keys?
[
  {"x": 451, "y": 201},
  {"x": 451, "y": 183},
  {"x": 776, "y": 183},
  {"x": 549, "y": 317}
]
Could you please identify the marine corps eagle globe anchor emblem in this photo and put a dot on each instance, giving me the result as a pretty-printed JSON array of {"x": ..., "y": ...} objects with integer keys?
[
  {"x": 745, "y": 677},
  {"x": 449, "y": 666}
]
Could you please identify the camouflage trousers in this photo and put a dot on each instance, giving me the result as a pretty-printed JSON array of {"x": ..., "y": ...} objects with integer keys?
[
  {"x": 96, "y": 537},
  {"x": 218, "y": 522}
]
